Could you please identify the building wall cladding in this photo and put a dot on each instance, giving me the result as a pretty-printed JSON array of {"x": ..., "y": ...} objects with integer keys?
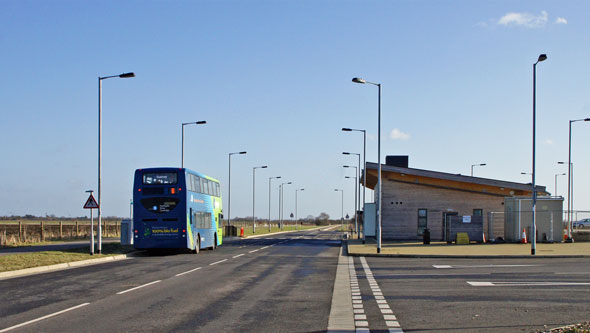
[{"x": 401, "y": 202}]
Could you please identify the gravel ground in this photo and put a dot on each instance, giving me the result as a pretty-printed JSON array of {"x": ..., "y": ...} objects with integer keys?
[{"x": 576, "y": 328}]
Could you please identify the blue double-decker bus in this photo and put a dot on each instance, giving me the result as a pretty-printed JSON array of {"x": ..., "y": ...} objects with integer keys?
[{"x": 176, "y": 208}]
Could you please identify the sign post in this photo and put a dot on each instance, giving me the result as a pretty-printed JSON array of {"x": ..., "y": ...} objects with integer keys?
[{"x": 91, "y": 204}]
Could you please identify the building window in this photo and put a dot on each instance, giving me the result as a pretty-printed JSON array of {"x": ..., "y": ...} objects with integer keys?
[
  {"x": 422, "y": 220},
  {"x": 478, "y": 212}
]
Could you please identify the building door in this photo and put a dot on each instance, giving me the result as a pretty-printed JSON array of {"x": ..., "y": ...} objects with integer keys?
[{"x": 446, "y": 225}]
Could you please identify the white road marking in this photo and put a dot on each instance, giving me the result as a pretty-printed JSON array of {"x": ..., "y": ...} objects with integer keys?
[
  {"x": 390, "y": 319},
  {"x": 44, "y": 317},
  {"x": 192, "y": 270},
  {"x": 523, "y": 283},
  {"x": 480, "y": 266},
  {"x": 253, "y": 251},
  {"x": 143, "y": 285},
  {"x": 262, "y": 248},
  {"x": 217, "y": 262},
  {"x": 239, "y": 255}
]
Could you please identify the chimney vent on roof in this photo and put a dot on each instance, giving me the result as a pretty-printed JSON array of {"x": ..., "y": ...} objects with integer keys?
[{"x": 400, "y": 161}]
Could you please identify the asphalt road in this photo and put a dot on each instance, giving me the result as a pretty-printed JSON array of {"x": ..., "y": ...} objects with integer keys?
[
  {"x": 273, "y": 284},
  {"x": 465, "y": 295}
]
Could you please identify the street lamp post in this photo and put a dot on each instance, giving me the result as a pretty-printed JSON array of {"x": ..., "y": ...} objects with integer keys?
[
  {"x": 364, "y": 171},
  {"x": 358, "y": 189},
  {"x": 558, "y": 174},
  {"x": 100, "y": 78},
  {"x": 341, "y": 209},
  {"x": 362, "y": 81},
  {"x": 570, "y": 185},
  {"x": 269, "y": 181},
  {"x": 281, "y": 187},
  {"x": 296, "y": 218},
  {"x": 542, "y": 57},
  {"x": 355, "y": 195},
  {"x": 474, "y": 165},
  {"x": 254, "y": 196},
  {"x": 183, "y": 124},
  {"x": 229, "y": 187},
  {"x": 355, "y": 198}
]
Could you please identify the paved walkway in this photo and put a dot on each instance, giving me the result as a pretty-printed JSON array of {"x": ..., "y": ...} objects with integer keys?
[{"x": 442, "y": 249}]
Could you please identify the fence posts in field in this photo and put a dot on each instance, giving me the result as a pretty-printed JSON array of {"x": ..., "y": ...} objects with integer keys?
[
  {"x": 20, "y": 231},
  {"x": 60, "y": 230},
  {"x": 42, "y": 233}
]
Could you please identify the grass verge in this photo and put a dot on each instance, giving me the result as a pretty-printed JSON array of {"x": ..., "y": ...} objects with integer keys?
[{"x": 36, "y": 259}]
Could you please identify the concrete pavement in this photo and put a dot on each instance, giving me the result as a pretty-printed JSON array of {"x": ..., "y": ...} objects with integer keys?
[{"x": 442, "y": 249}]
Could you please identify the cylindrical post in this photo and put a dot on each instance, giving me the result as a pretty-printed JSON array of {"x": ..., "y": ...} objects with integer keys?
[
  {"x": 569, "y": 179},
  {"x": 91, "y": 233},
  {"x": 42, "y": 232},
  {"x": 77, "y": 230},
  {"x": 182, "y": 154},
  {"x": 269, "y": 179},
  {"x": 253, "y": 201},
  {"x": 99, "y": 247},
  {"x": 20, "y": 231},
  {"x": 60, "y": 230},
  {"x": 379, "y": 178},
  {"x": 229, "y": 193},
  {"x": 533, "y": 226},
  {"x": 364, "y": 178}
]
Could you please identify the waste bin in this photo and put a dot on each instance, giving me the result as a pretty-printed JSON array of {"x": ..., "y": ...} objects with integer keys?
[{"x": 426, "y": 236}]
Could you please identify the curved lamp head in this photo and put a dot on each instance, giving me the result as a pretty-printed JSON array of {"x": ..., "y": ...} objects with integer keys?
[
  {"x": 127, "y": 75},
  {"x": 347, "y": 129},
  {"x": 358, "y": 80},
  {"x": 542, "y": 57},
  {"x": 201, "y": 122}
]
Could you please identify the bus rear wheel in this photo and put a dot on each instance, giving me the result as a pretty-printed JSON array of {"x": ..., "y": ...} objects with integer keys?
[
  {"x": 214, "y": 243},
  {"x": 198, "y": 245}
]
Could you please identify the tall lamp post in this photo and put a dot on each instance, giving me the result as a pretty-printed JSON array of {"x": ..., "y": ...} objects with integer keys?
[
  {"x": 474, "y": 165},
  {"x": 296, "y": 218},
  {"x": 269, "y": 181},
  {"x": 341, "y": 209},
  {"x": 542, "y": 57},
  {"x": 358, "y": 189},
  {"x": 229, "y": 187},
  {"x": 570, "y": 185},
  {"x": 558, "y": 174},
  {"x": 100, "y": 78},
  {"x": 202, "y": 122},
  {"x": 281, "y": 203},
  {"x": 254, "y": 196},
  {"x": 362, "y": 81},
  {"x": 355, "y": 178},
  {"x": 355, "y": 194},
  {"x": 364, "y": 170}
]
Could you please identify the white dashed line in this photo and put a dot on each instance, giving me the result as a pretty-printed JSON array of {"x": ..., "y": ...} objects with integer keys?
[
  {"x": 192, "y": 270},
  {"x": 262, "y": 248},
  {"x": 44, "y": 317},
  {"x": 239, "y": 255},
  {"x": 253, "y": 251},
  {"x": 143, "y": 285},
  {"x": 217, "y": 262}
]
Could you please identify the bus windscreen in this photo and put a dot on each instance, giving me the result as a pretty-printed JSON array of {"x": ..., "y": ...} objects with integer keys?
[{"x": 161, "y": 178}]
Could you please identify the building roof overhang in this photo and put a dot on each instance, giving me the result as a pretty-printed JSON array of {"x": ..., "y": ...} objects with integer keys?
[{"x": 449, "y": 181}]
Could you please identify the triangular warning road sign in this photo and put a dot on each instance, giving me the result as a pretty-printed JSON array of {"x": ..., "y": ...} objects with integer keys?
[{"x": 91, "y": 203}]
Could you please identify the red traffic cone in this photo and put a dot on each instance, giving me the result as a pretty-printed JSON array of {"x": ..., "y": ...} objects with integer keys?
[
  {"x": 523, "y": 238},
  {"x": 242, "y": 232}
]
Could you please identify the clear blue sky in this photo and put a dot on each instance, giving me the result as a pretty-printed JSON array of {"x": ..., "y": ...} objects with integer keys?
[{"x": 274, "y": 78}]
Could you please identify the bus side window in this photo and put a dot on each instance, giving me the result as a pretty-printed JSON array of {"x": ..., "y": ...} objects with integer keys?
[
  {"x": 191, "y": 216},
  {"x": 197, "y": 185},
  {"x": 203, "y": 185}
]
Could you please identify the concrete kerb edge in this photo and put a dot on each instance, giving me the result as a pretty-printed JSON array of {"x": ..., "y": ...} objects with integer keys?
[
  {"x": 66, "y": 265},
  {"x": 450, "y": 256}
]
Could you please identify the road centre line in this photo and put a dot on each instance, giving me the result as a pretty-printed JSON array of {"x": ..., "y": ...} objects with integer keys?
[
  {"x": 524, "y": 283},
  {"x": 239, "y": 255},
  {"x": 143, "y": 285},
  {"x": 44, "y": 317},
  {"x": 192, "y": 270},
  {"x": 479, "y": 266},
  {"x": 217, "y": 262},
  {"x": 253, "y": 251}
]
